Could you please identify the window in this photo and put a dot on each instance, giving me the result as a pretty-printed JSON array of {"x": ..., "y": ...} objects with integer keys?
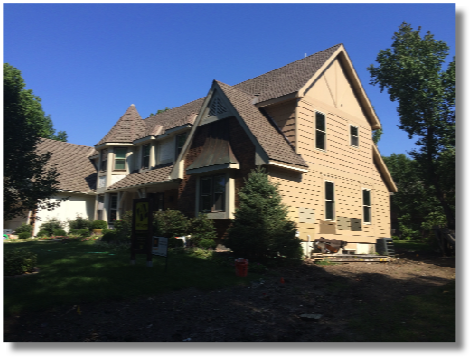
[
  {"x": 103, "y": 160},
  {"x": 329, "y": 200},
  {"x": 320, "y": 131},
  {"x": 354, "y": 136},
  {"x": 120, "y": 158},
  {"x": 366, "y": 205},
  {"x": 212, "y": 193},
  {"x": 112, "y": 208},
  {"x": 145, "y": 156},
  {"x": 100, "y": 206},
  {"x": 179, "y": 142}
]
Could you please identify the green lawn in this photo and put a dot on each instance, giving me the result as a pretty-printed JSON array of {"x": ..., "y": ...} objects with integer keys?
[{"x": 77, "y": 272}]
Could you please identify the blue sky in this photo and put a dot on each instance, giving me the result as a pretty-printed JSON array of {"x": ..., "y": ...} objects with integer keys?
[{"x": 90, "y": 62}]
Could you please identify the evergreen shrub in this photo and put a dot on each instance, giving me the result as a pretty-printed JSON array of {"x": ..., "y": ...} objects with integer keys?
[
  {"x": 99, "y": 224},
  {"x": 79, "y": 223},
  {"x": 24, "y": 235},
  {"x": 24, "y": 228},
  {"x": 203, "y": 232},
  {"x": 261, "y": 228},
  {"x": 170, "y": 223},
  {"x": 16, "y": 262},
  {"x": 47, "y": 228}
]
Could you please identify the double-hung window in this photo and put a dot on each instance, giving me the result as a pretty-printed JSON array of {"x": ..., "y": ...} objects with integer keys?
[
  {"x": 320, "y": 131},
  {"x": 145, "y": 156},
  {"x": 329, "y": 200},
  {"x": 112, "y": 208},
  {"x": 212, "y": 193},
  {"x": 179, "y": 142},
  {"x": 120, "y": 158},
  {"x": 354, "y": 136},
  {"x": 366, "y": 205},
  {"x": 103, "y": 160}
]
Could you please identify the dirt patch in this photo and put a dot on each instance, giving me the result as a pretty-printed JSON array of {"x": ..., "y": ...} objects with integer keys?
[{"x": 267, "y": 310}]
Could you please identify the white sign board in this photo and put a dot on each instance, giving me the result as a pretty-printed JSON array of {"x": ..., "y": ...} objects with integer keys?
[{"x": 160, "y": 246}]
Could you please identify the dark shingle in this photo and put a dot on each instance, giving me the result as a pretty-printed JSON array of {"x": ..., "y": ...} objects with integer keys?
[
  {"x": 127, "y": 129},
  {"x": 76, "y": 171},
  {"x": 159, "y": 174}
]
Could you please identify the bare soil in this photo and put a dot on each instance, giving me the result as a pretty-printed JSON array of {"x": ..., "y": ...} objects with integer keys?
[{"x": 263, "y": 311}]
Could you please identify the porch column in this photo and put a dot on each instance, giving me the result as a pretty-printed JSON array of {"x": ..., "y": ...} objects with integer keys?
[
  {"x": 119, "y": 205},
  {"x": 105, "y": 214}
]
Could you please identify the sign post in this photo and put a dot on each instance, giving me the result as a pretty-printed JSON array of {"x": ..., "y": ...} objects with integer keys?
[{"x": 141, "y": 230}]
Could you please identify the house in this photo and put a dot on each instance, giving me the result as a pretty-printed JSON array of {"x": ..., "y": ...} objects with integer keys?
[
  {"x": 309, "y": 123},
  {"x": 77, "y": 184}
]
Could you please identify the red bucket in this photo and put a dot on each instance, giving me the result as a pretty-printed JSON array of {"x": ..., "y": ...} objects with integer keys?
[{"x": 241, "y": 267}]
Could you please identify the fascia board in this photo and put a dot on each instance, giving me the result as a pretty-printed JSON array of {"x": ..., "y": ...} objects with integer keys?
[{"x": 383, "y": 167}]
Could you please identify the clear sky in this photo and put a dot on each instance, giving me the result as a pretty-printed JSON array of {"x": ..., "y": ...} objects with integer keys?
[{"x": 90, "y": 62}]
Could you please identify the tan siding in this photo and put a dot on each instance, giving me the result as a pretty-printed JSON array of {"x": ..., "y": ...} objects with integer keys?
[{"x": 283, "y": 115}]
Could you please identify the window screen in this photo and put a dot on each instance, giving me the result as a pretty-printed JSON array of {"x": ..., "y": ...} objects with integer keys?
[
  {"x": 354, "y": 136},
  {"x": 329, "y": 200},
  {"x": 366, "y": 205},
  {"x": 320, "y": 131},
  {"x": 120, "y": 158}
]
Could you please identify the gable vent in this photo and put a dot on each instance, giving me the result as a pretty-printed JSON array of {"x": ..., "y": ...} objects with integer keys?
[{"x": 216, "y": 108}]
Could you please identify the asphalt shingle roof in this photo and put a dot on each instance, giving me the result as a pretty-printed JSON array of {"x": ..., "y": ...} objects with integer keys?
[
  {"x": 127, "y": 129},
  {"x": 76, "y": 171},
  {"x": 159, "y": 174},
  {"x": 273, "y": 143}
]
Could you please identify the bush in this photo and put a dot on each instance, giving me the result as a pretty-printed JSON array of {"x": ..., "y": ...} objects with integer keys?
[
  {"x": 47, "y": 228},
  {"x": 123, "y": 227},
  {"x": 109, "y": 235},
  {"x": 59, "y": 232},
  {"x": 24, "y": 228},
  {"x": 203, "y": 232},
  {"x": 16, "y": 262},
  {"x": 170, "y": 223},
  {"x": 98, "y": 224},
  {"x": 24, "y": 235},
  {"x": 80, "y": 232},
  {"x": 261, "y": 228},
  {"x": 175, "y": 243},
  {"x": 43, "y": 233},
  {"x": 79, "y": 223}
]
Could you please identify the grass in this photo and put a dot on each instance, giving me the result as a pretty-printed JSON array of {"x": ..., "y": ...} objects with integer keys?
[
  {"x": 79, "y": 272},
  {"x": 417, "y": 246},
  {"x": 417, "y": 318}
]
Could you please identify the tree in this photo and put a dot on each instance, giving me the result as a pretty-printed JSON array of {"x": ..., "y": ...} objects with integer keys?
[
  {"x": 28, "y": 181},
  {"x": 415, "y": 204},
  {"x": 261, "y": 228},
  {"x": 203, "y": 232},
  {"x": 31, "y": 108},
  {"x": 412, "y": 72},
  {"x": 159, "y": 111}
]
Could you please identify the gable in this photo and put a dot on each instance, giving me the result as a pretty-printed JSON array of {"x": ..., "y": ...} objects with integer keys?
[{"x": 334, "y": 88}]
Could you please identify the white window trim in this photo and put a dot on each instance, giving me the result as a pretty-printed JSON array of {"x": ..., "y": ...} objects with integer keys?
[
  {"x": 325, "y": 131},
  {"x": 334, "y": 200},
  {"x": 350, "y": 136},
  {"x": 369, "y": 206}
]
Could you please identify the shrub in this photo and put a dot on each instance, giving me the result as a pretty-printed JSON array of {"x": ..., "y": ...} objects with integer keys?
[
  {"x": 170, "y": 223},
  {"x": 59, "y": 232},
  {"x": 24, "y": 228},
  {"x": 17, "y": 262},
  {"x": 43, "y": 233},
  {"x": 79, "y": 223},
  {"x": 47, "y": 228},
  {"x": 80, "y": 232},
  {"x": 261, "y": 228},
  {"x": 203, "y": 232},
  {"x": 99, "y": 224},
  {"x": 24, "y": 235},
  {"x": 175, "y": 243},
  {"x": 109, "y": 235},
  {"x": 123, "y": 227}
]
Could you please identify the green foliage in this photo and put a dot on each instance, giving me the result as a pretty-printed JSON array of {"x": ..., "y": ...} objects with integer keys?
[
  {"x": 99, "y": 224},
  {"x": 79, "y": 223},
  {"x": 28, "y": 182},
  {"x": 159, "y": 111},
  {"x": 80, "y": 232},
  {"x": 170, "y": 223},
  {"x": 43, "y": 233},
  {"x": 24, "y": 228},
  {"x": 203, "y": 232},
  {"x": 24, "y": 235},
  {"x": 175, "y": 243},
  {"x": 376, "y": 135},
  {"x": 16, "y": 262},
  {"x": 59, "y": 232},
  {"x": 261, "y": 228},
  {"x": 123, "y": 227},
  {"x": 412, "y": 72},
  {"x": 109, "y": 235},
  {"x": 48, "y": 227}
]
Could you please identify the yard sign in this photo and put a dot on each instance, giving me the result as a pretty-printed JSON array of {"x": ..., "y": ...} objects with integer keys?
[{"x": 142, "y": 230}]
